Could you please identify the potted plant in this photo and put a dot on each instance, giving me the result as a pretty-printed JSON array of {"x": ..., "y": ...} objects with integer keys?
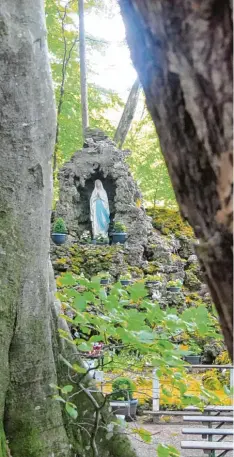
[
  {"x": 122, "y": 401},
  {"x": 119, "y": 234},
  {"x": 194, "y": 352},
  {"x": 125, "y": 279},
  {"x": 59, "y": 234},
  {"x": 105, "y": 277},
  {"x": 153, "y": 280},
  {"x": 174, "y": 286},
  {"x": 100, "y": 239},
  {"x": 85, "y": 238}
]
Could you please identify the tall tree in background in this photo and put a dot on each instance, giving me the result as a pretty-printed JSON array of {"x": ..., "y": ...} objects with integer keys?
[
  {"x": 128, "y": 114},
  {"x": 183, "y": 55},
  {"x": 69, "y": 45},
  {"x": 61, "y": 39},
  {"x": 83, "y": 72}
]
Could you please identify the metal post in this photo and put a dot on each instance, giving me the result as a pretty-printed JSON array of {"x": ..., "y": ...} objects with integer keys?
[{"x": 156, "y": 391}]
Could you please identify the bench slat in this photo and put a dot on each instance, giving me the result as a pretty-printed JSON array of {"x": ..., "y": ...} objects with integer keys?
[
  {"x": 211, "y": 445},
  {"x": 228, "y": 419},
  {"x": 211, "y": 408},
  {"x": 208, "y": 431}
]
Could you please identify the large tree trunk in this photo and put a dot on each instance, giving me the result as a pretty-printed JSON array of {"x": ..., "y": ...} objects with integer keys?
[
  {"x": 30, "y": 349},
  {"x": 128, "y": 114},
  {"x": 183, "y": 55},
  {"x": 32, "y": 420}
]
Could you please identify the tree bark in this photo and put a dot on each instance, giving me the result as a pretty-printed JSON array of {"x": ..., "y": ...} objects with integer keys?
[
  {"x": 83, "y": 70},
  {"x": 30, "y": 348},
  {"x": 182, "y": 52},
  {"x": 128, "y": 114},
  {"x": 32, "y": 420}
]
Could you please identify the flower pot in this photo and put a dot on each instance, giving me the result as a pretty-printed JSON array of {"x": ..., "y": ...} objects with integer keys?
[
  {"x": 193, "y": 359},
  {"x": 104, "y": 282},
  {"x": 125, "y": 408},
  {"x": 119, "y": 237},
  {"x": 152, "y": 283},
  {"x": 125, "y": 282},
  {"x": 173, "y": 289},
  {"x": 99, "y": 243},
  {"x": 59, "y": 238}
]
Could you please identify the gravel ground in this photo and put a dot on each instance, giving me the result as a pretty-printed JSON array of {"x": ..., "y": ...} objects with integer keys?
[{"x": 169, "y": 434}]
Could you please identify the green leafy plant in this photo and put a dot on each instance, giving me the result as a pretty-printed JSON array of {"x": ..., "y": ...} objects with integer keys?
[
  {"x": 134, "y": 339},
  {"x": 86, "y": 237},
  {"x": 104, "y": 275},
  {"x": 125, "y": 277},
  {"x": 193, "y": 348},
  {"x": 102, "y": 239},
  {"x": 123, "y": 389},
  {"x": 119, "y": 227},
  {"x": 154, "y": 278},
  {"x": 59, "y": 226},
  {"x": 176, "y": 283}
]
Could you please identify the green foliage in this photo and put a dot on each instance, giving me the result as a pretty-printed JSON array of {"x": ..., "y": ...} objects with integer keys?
[
  {"x": 194, "y": 349},
  {"x": 59, "y": 226},
  {"x": 176, "y": 283},
  {"x": 119, "y": 227},
  {"x": 102, "y": 239},
  {"x": 147, "y": 163},
  {"x": 144, "y": 434},
  {"x": 104, "y": 275},
  {"x": 164, "y": 450},
  {"x": 169, "y": 221},
  {"x": 122, "y": 389},
  {"x": 86, "y": 237},
  {"x": 150, "y": 331},
  {"x": 126, "y": 277},
  {"x": 63, "y": 42},
  {"x": 157, "y": 277}
]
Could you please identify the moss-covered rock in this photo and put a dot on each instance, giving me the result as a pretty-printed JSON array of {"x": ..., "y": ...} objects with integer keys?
[
  {"x": 191, "y": 281},
  {"x": 169, "y": 221}
]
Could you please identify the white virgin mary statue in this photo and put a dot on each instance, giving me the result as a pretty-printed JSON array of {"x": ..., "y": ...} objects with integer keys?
[{"x": 99, "y": 210}]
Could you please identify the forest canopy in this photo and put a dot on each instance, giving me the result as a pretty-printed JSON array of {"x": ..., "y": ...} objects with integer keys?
[{"x": 105, "y": 103}]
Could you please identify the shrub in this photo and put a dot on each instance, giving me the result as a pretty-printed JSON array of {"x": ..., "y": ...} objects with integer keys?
[
  {"x": 154, "y": 278},
  {"x": 176, "y": 283},
  {"x": 123, "y": 389},
  {"x": 104, "y": 275},
  {"x": 59, "y": 226},
  {"x": 125, "y": 277},
  {"x": 102, "y": 239},
  {"x": 119, "y": 227},
  {"x": 86, "y": 237}
]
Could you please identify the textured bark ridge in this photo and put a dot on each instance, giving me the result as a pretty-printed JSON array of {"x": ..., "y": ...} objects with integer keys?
[
  {"x": 183, "y": 55},
  {"x": 32, "y": 421}
]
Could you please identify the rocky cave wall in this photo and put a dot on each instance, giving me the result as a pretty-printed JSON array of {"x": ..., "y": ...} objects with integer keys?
[{"x": 101, "y": 159}]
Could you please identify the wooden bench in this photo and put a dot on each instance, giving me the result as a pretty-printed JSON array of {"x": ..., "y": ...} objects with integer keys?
[
  {"x": 209, "y": 446},
  {"x": 214, "y": 410},
  {"x": 221, "y": 420},
  {"x": 222, "y": 432}
]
